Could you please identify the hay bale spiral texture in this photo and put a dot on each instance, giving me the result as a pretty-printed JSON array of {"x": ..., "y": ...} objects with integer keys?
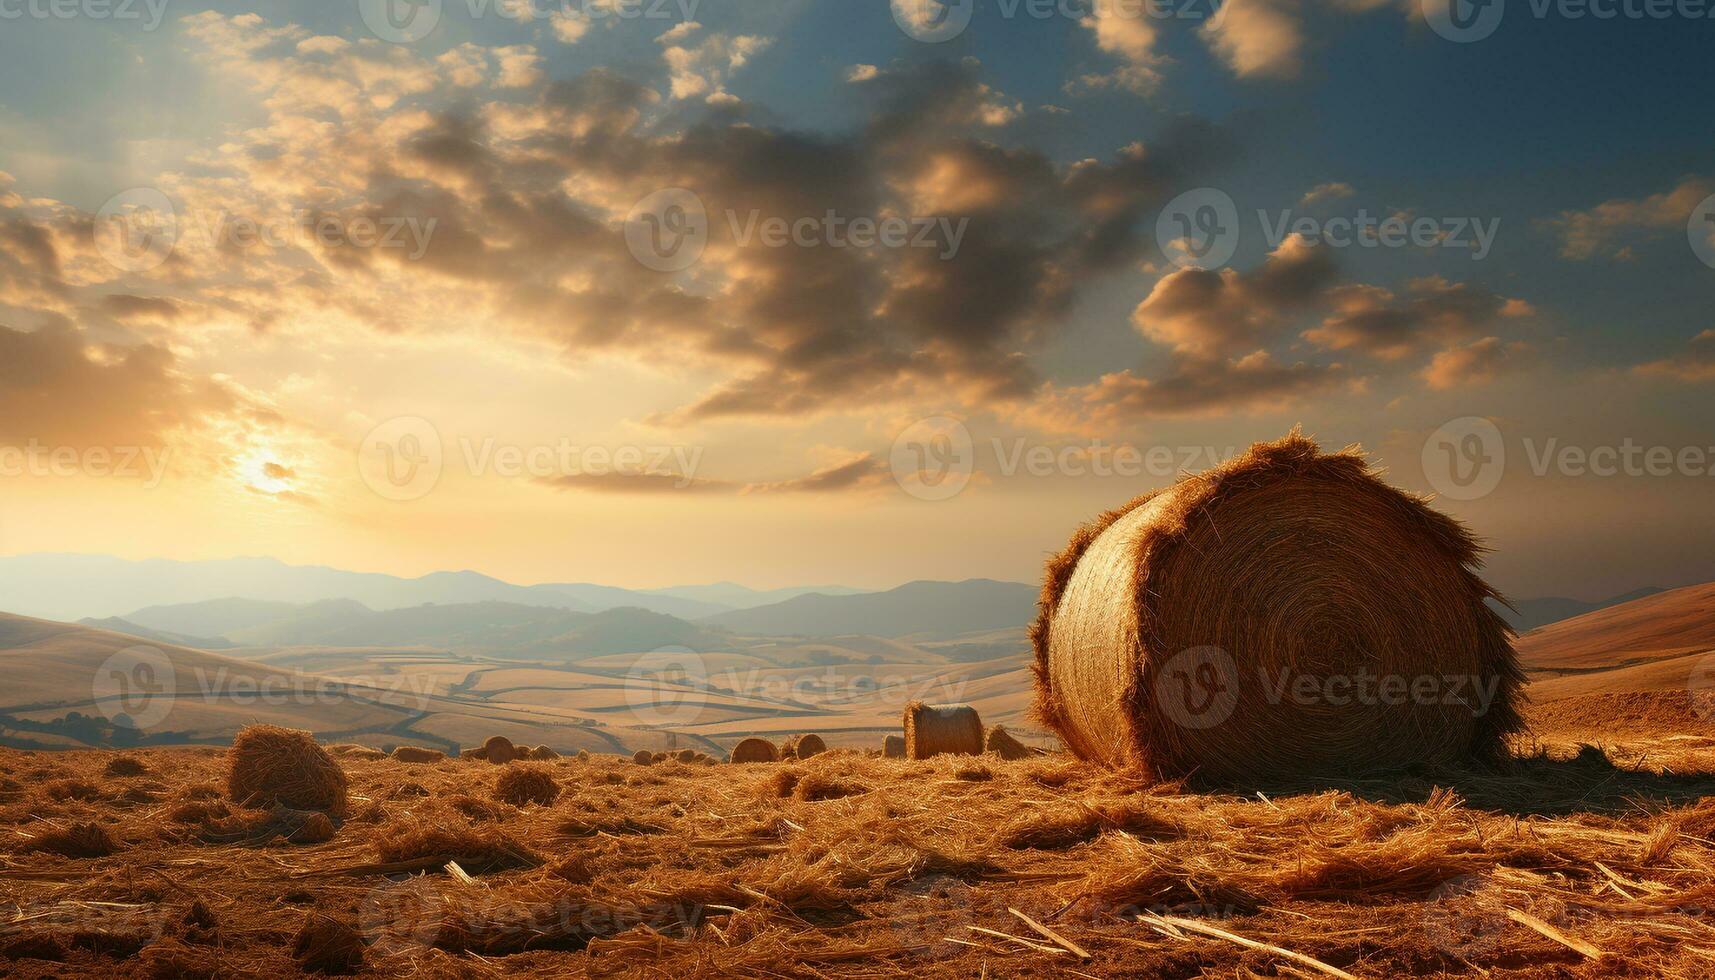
[
  {"x": 1258, "y": 621},
  {"x": 803, "y": 746},
  {"x": 942, "y": 729},
  {"x": 269, "y": 766},
  {"x": 755, "y": 750}
]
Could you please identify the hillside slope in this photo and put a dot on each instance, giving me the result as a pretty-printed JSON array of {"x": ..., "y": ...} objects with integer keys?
[
  {"x": 1666, "y": 624},
  {"x": 937, "y": 609}
]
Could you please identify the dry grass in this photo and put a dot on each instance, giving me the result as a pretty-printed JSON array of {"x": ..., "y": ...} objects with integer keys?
[
  {"x": 533, "y": 783},
  {"x": 851, "y": 865}
]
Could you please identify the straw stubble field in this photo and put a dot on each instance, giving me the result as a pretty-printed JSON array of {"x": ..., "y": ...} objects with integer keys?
[{"x": 855, "y": 865}]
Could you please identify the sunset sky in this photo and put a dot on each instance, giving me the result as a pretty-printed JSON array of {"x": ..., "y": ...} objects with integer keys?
[{"x": 386, "y": 252}]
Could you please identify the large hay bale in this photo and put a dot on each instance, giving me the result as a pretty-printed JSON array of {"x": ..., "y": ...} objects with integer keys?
[
  {"x": 755, "y": 750},
  {"x": 270, "y": 766},
  {"x": 893, "y": 747},
  {"x": 803, "y": 746},
  {"x": 1001, "y": 743},
  {"x": 1259, "y": 620},
  {"x": 942, "y": 729}
]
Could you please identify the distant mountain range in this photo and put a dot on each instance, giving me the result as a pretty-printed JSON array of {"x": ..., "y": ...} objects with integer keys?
[
  {"x": 1532, "y": 613},
  {"x": 932, "y": 609},
  {"x": 72, "y": 587}
]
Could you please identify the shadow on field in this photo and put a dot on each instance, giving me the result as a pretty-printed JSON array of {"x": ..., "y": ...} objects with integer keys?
[{"x": 1538, "y": 785}]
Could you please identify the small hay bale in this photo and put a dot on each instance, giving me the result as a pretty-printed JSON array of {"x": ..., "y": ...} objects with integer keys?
[
  {"x": 893, "y": 747},
  {"x": 583, "y": 755},
  {"x": 314, "y": 827},
  {"x": 417, "y": 754},
  {"x": 755, "y": 750},
  {"x": 544, "y": 753},
  {"x": 1001, "y": 743},
  {"x": 942, "y": 729},
  {"x": 643, "y": 757},
  {"x": 125, "y": 765},
  {"x": 499, "y": 750},
  {"x": 80, "y": 840},
  {"x": 327, "y": 945},
  {"x": 659, "y": 757},
  {"x": 803, "y": 746},
  {"x": 270, "y": 766},
  {"x": 686, "y": 755},
  {"x": 523, "y": 784},
  {"x": 1169, "y": 625}
]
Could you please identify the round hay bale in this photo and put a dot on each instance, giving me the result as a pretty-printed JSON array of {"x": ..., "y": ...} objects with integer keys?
[
  {"x": 583, "y": 755},
  {"x": 942, "y": 729},
  {"x": 519, "y": 785},
  {"x": 500, "y": 750},
  {"x": 803, "y": 746},
  {"x": 686, "y": 755},
  {"x": 270, "y": 766},
  {"x": 755, "y": 750},
  {"x": 417, "y": 754},
  {"x": 1269, "y": 619},
  {"x": 893, "y": 747},
  {"x": 1001, "y": 743},
  {"x": 544, "y": 753},
  {"x": 643, "y": 757}
]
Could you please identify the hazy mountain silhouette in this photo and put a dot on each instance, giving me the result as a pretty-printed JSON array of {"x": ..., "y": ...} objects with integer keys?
[{"x": 932, "y": 608}]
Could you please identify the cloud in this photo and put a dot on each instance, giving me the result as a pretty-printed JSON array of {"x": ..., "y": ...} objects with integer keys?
[
  {"x": 857, "y": 473},
  {"x": 634, "y": 483},
  {"x": 1321, "y": 193},
  {"x": 1257, "y": 38},
  {"x": 1696, "y": 363},
  {"x": 1195, "y": 387},
  {"x": 1614, "y": 226},
  {"x": 1476, "y": 363},
  {"x": 1125, "y": 30},
  {"x": 1213, "y": 314},
  {"x": 703, "y": 68},
  {"x": 863, "y": 472},
  {"x": 1432, "y": 311}
]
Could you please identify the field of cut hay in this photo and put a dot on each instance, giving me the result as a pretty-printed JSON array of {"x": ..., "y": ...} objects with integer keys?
[{"x": 847, "y": 864}]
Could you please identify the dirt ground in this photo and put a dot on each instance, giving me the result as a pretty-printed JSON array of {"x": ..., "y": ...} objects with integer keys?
[{"x": 1575, "y": 862}]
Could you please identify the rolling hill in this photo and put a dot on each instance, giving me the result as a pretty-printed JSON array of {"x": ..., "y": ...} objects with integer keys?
[{"x": 931, "y": 609}]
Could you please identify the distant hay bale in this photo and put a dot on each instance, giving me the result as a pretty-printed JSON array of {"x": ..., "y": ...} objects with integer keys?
[
  {"x": 659, "y": 757},
  {"x": 532, "y": 783},
  {"x": 893, "y": 747},
  {"x": 583, "y": 755},
  {"x": 80, "y": 840},
  {"x": 417, "y": 754},
  {"x": 803, "y": 746},
  {"x": 755, "y": 750},
  {"x": 270, "y": 766},
  {"x": 643, "y": 757},
  {"x": 1223, "y": 625},
  {"x": 686, "y": 755},
  {"x": 1001, "y": 743},
  {"x": 544, "y": 753},
  {"x": 942, "y": 729},
  {"x": 499, "y": 750},
  {"x": 313, "y": 827}
]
